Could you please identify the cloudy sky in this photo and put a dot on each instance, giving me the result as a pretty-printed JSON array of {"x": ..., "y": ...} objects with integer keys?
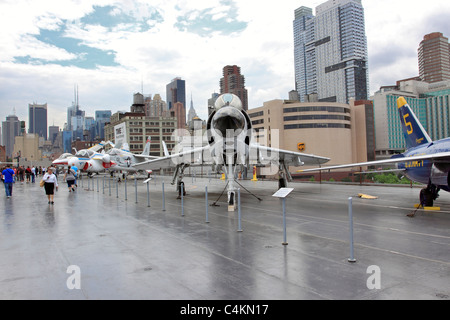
[{"x": 110, "y": 49}]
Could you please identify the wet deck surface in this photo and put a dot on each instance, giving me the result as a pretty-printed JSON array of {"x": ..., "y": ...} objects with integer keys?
[{"x": 127, "y": 250}]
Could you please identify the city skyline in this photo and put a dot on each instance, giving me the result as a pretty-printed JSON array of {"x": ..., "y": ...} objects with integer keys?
[{"x": 53, "y": 46}]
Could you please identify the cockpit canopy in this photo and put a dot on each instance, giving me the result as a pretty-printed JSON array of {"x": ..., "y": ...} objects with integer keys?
[
  {"x": 85, "y": 153},
  {"x": 65, "y": 156},
  {"x": 228, "y": 99}
]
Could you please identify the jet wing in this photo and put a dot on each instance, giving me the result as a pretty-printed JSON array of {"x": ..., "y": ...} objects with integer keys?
[
  {"x": 259, "y": 155},
  {"x": 98, "y": 146},
  {"x": 142, "y": 157},
  {"x": 435, "y": 157},
  {"x": 193, "y": 157},
  {"x": 267, "y": 155}
]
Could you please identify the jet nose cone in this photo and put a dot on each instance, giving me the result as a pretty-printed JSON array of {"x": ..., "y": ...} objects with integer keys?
[{"x": 228, "y": 119}]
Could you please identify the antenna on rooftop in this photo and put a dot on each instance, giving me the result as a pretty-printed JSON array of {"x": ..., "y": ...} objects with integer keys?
[{"x": 75, "y": 93}]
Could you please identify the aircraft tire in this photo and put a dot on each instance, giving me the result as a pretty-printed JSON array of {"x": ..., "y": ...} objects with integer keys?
[
  {"x": 426, "y": 197},
  {"x": 282, "y": 183},
  {"x": 179, "y": 189}
]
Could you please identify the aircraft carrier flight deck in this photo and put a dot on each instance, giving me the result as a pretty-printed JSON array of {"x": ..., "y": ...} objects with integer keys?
[{"x": 101, "y": 242}]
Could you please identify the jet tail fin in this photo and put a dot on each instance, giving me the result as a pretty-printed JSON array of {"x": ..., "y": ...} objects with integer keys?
[
  {"x": 413, "y": 131},
  {"x": 166, "y": 151},
  {"x": 146, "y": 151},
  {"x": 125, "y": 146}
]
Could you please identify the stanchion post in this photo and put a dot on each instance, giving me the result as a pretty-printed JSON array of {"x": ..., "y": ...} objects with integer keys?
[
  {"x": 350, "y": 218},
  {"x": 148, "y": 193},
  {"x": 285, "y": 243},
  {"x": 206, "y": 203},
  {"x": 126, "y": 196},
  {"x": 163, "y": 198},
  {"x": 239, "y": 210},
  {"x": 182, "y": 201},
  {"x": 135, "y": 188},
  {"x": 283, "y": 193}
]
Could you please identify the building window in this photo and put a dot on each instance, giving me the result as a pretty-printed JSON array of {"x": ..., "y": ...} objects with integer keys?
[{"x": 317, "y": 126}]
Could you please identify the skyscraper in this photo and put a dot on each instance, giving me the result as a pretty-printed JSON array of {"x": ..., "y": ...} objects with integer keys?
[
  {"x": 176, "y": 92},
  {"x": 331, "y": 52},
  {"x": 191, "y": 114},
  {"x": 233, "y": 82},
  {"x": 434, "y": 58},
  {"x": 37, "y": 119},
  {"x": 10, "y": 129},
  {"x": 52, "y": 133},
  {"x": 101, "y": 117},
  {"x": 305, "y": 75}
]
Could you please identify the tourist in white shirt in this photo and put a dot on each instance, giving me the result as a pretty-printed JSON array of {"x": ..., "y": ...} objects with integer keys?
[
  {"x": 33, "y": 174},
  {"x": 50, "y": 183}
]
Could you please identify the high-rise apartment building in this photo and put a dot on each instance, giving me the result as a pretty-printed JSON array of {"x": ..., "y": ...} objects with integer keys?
[
  {"x": 37, "y": 119},
  {"x": 331, "y": 61},
  {"x": 434, "y": 58},
  {"x": 305, "y": 71},
  {"x": 156, "y": 107},
  {"x": 233, "y": 82}
]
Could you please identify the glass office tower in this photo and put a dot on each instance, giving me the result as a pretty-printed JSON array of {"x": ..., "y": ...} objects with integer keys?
[
  {"x": 37, "y": 117},
  {"x": 331, "y": 61}
]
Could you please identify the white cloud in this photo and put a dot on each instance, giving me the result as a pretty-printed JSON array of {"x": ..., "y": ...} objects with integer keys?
[{"x": 263, "y": 48}]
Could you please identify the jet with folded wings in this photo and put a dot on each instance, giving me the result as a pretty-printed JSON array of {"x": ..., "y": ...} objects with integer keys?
[
  {"x": 425, "y": 161},
  {"x": 125, "y": 160},
  {"x": 230, "y": 149},
  {"x": 88, "y": 160}
]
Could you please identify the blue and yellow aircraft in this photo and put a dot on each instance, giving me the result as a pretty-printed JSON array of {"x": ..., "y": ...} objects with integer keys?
[{"x": 424, "y": 161}]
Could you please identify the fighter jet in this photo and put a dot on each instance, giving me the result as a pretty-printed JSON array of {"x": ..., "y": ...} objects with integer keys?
[
  {"x": 125, "y": 160},
  {"x": 424, "y": 161},
  {"x": 87, "y": 160},
  {"x": 230, "y": 149}
]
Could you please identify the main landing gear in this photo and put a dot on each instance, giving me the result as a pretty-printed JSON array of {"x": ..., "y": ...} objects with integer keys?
[
  {"x": 178, "y": 176},
  {"x": 428, "y": 195},
  {"x": 283, "y": 175}
]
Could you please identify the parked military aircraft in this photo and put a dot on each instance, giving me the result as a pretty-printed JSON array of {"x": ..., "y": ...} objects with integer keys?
[
  {"x": 125, "y": 160},
  {"x": 88, "y": 160},
  {"x": 424, "y": 161},
  {"x": 230, "y": 149}
]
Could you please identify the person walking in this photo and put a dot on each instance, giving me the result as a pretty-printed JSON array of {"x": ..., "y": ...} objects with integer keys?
[
  {"x": 8, "y": 180},
  {"x": 20, "y": 172},
  {"x": 70, "y": 179},
  {"x": 50, "y": 183},
  {"x": 75, "y": 173},
  {"x": 33, "y": 174},
  {"x": 28, "y": 174}
]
